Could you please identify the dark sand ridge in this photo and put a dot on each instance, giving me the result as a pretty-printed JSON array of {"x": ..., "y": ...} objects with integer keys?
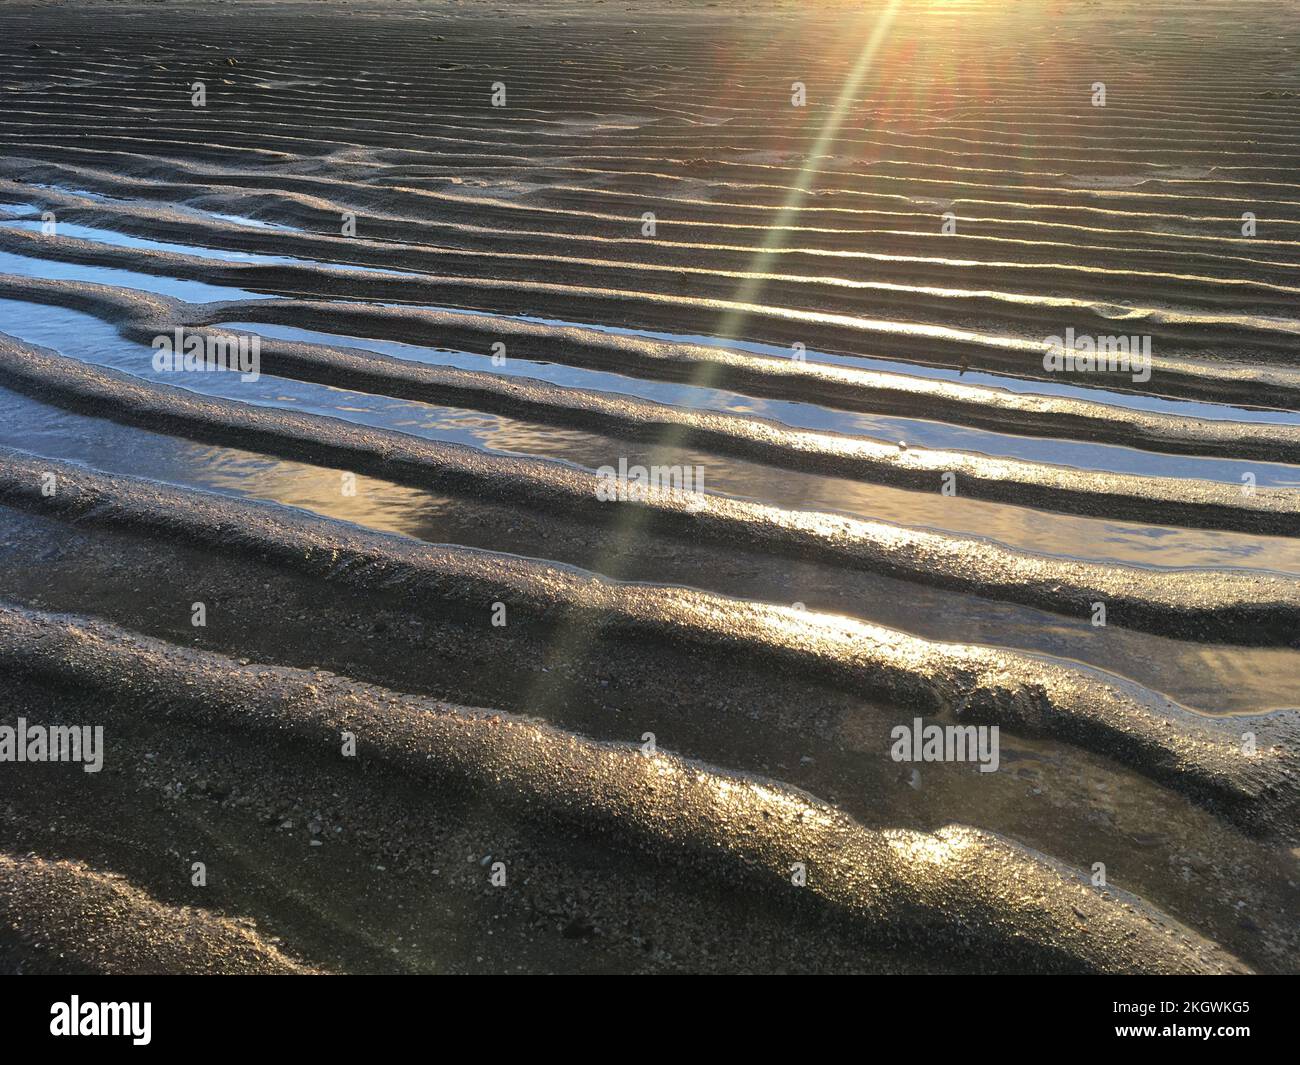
[
  {"x": 62, "y": 917},
  {"x": 950, "y": 888},
  {"x": 1030, "y": 694},
  {"x": 948, "y": 192}
]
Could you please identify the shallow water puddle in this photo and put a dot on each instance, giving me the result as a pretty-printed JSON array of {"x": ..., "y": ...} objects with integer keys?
[
  {"x": 176, "y": 288},
  {"x": 241, "y": 220}
]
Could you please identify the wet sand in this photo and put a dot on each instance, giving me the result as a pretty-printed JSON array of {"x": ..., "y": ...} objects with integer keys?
[{"x": 649, "y": 734}]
